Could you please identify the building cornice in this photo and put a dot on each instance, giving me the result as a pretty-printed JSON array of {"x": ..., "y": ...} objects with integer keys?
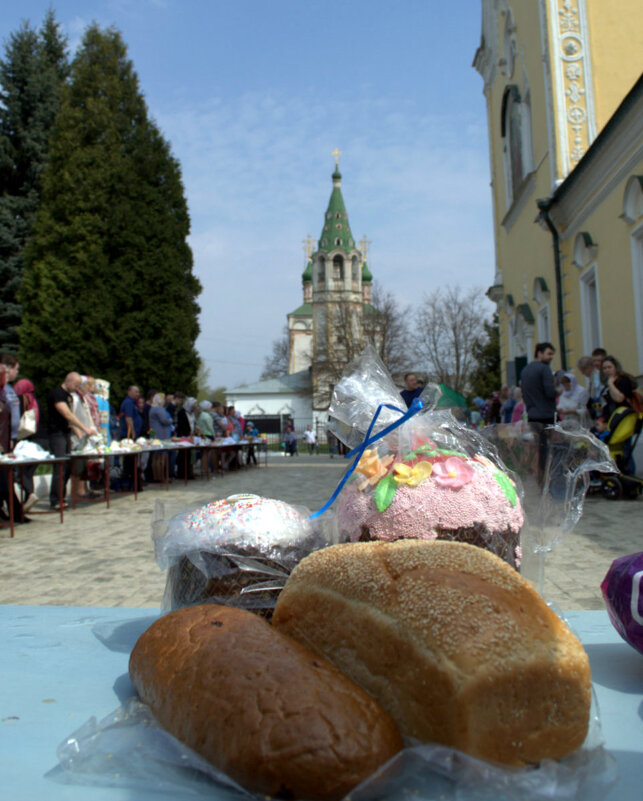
[{"x": 613, "y": 156}]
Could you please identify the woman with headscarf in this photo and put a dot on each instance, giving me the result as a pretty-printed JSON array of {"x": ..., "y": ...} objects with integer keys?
[
  {"x": 572, "y": 402},
  {"x": 82, "y": 410},
  {"x": 205, "y": 427}
]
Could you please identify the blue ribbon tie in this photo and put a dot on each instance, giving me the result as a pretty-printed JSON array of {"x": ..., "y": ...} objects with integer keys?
[{"x": 414, "y": 408}]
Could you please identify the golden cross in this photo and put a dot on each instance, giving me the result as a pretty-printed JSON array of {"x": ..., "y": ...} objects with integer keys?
[
  {"x": 364, "y": 244},
  {"x": 336, "y": 153},
  {"x": 308, "y": 246}
]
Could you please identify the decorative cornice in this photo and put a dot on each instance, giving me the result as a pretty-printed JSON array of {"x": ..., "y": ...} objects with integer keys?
[{"x": 573, "y": 89}]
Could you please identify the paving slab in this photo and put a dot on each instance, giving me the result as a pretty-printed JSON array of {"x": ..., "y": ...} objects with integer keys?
[{"x": 104, "y": 557}]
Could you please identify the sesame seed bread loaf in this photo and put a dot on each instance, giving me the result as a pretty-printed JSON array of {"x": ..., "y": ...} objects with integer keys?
[
  {"x": 451, "y": 641},
  {"x": 262, "y": 708}
]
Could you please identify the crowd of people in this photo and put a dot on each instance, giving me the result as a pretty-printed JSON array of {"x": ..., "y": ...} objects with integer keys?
[
  {"x": 609, "y": 394},
  {"x": 79, "y": 408}
]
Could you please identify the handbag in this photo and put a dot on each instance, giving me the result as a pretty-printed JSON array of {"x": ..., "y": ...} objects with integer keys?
[{"x": 27, "y": 425}]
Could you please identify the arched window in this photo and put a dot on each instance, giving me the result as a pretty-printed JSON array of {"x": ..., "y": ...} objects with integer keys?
[
  {"x": 321, "y": 270},
  {"x": 516, "y": 140},
  {"x": 338, "y": 267}
]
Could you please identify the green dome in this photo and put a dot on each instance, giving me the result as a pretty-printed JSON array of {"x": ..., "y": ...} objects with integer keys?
[
  {"x": 307, "y": 274},
  {"x": 336, "y": 233},
  {"x": 367, "y": 277}
]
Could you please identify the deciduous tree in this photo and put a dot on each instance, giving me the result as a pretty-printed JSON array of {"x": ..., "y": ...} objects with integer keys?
[
  {"x": 277, "y": 363},
  {"x": 447, "y": 324}
]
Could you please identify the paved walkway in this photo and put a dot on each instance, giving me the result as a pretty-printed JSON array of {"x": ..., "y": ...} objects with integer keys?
[{"x": 104, "y": 557}]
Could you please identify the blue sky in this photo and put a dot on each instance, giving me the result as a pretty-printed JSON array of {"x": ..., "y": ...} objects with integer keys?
[{"x": 254, "y": 95}]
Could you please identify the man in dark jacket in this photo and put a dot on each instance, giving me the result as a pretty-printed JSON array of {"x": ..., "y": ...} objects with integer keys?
[
  {"x": 539, "y": 396},
  {"x": 539, "y": 391}
]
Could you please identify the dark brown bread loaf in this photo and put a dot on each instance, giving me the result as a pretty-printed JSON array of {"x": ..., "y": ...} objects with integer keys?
[
  {"x": 452, "y": 642},
  {"x": 261, "y": 707}
]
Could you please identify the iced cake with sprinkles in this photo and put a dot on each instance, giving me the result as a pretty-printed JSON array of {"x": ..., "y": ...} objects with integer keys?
[
  {"x": 433, "y": 493},
  {"x": 236, "y": 551}
]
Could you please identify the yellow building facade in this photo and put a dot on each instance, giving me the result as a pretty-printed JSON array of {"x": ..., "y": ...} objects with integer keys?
[{"x": 564, "y": 95}]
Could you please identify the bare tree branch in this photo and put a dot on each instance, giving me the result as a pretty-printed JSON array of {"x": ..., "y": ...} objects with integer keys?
[
  {"x": 277, "y": 363},
  {"x": 448, "y": 323}
]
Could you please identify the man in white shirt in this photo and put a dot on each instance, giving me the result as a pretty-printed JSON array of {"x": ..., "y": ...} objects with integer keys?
[{"x": 310, "y": 438}]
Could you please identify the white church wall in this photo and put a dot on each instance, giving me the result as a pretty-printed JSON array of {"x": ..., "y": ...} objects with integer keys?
[{"x": 296, "y": 406}]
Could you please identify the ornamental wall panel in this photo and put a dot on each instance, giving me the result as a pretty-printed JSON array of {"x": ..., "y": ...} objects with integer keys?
[{"x": 573, "y": 88}]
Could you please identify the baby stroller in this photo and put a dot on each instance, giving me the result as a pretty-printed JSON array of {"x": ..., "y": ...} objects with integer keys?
[{"x": 624, "y": 429}]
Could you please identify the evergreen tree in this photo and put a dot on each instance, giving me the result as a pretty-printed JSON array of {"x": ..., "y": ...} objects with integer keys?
[
  {"x": 31, "y": 76},
  {"x": 485, "y": 378},
  {"x": 109, "y": 288}
]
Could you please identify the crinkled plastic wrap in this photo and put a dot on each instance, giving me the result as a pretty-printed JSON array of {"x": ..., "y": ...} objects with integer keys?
[
  {"x": 623, "y": 593},
  {"x": 554, "y": 465},
  {"x": 237, "y": 551},
  {"x": 428, "y": 477},
  {"x": 128, "y": 749}
]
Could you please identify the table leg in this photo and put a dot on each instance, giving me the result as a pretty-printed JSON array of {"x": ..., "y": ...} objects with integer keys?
[
  {"x": 22, "y": 498},
  {"x": 185, "y": 465},
  {"x": 74, "y": 483},
  {"x": 62, "y": 492},
  {"x": 167, "y": 471},
  {"x": 135, "y": 476},
  {"x": 11, "y": 521},
  {"x": 106, "y": 479}
]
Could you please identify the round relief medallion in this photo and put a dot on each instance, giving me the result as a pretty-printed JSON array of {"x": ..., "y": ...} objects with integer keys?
[{"x": 571, "y": 46}]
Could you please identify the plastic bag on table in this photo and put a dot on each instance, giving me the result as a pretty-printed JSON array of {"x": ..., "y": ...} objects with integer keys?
[
  {"x": 418, "y": 473},
  {"x": 128, "y": 749},
  {"x": 237, "y": 551}
]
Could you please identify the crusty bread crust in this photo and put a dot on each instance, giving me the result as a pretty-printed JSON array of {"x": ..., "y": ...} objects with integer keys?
[
  {"x": 452, "y": 642},
  {"x": 264, "y": 709}
]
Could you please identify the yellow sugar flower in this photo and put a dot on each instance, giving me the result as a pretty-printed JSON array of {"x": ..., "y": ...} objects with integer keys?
[{"x": 405, "y": 474}]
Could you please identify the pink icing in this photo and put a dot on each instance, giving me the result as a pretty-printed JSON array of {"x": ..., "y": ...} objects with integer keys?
[
  {"x": 453, "y": 473},
  {"x": 416, "y": 511}
]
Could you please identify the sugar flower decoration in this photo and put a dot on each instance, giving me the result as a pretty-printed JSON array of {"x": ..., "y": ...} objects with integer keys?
[
  {"x": 371, "y": 468},
  {"x": 405, "y": 474},
  {"x": 453, "y": 472}
]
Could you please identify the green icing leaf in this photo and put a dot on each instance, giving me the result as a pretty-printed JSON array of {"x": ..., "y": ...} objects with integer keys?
[
  {"x": 423, "y": 450},
  {"x": 385, "y": 492},
  {"x": 453, "y": 453},
  {"x": 506, "y": 486}
]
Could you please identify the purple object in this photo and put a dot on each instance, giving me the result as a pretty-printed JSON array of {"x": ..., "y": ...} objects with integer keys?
[{"x": 622, "y": 590}]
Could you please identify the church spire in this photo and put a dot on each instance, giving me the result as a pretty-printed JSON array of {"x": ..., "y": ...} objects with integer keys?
[{"x": 336, "y": 233}]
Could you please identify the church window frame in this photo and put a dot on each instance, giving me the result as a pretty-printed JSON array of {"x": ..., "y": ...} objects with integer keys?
[
  {"x": 590, "y": 308},
  {"x": 515, "y": 130},
  {"x": 338, "y": 267},
  {"x": 321, "y": 270},
  {"x": 338, "y": 242}
]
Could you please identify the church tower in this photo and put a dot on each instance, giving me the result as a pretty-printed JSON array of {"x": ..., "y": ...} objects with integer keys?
[
  {"x": 337, "y": 297},
  {"x": 331, "y": 326}
]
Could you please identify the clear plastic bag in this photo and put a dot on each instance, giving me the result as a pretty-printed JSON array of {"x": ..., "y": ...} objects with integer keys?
[
  {"x": 501, "y": 477},
  {"x": 129, "y": 749},
  {"x": 418, "y": 473},
  {"x": 238, "y": 551}
]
